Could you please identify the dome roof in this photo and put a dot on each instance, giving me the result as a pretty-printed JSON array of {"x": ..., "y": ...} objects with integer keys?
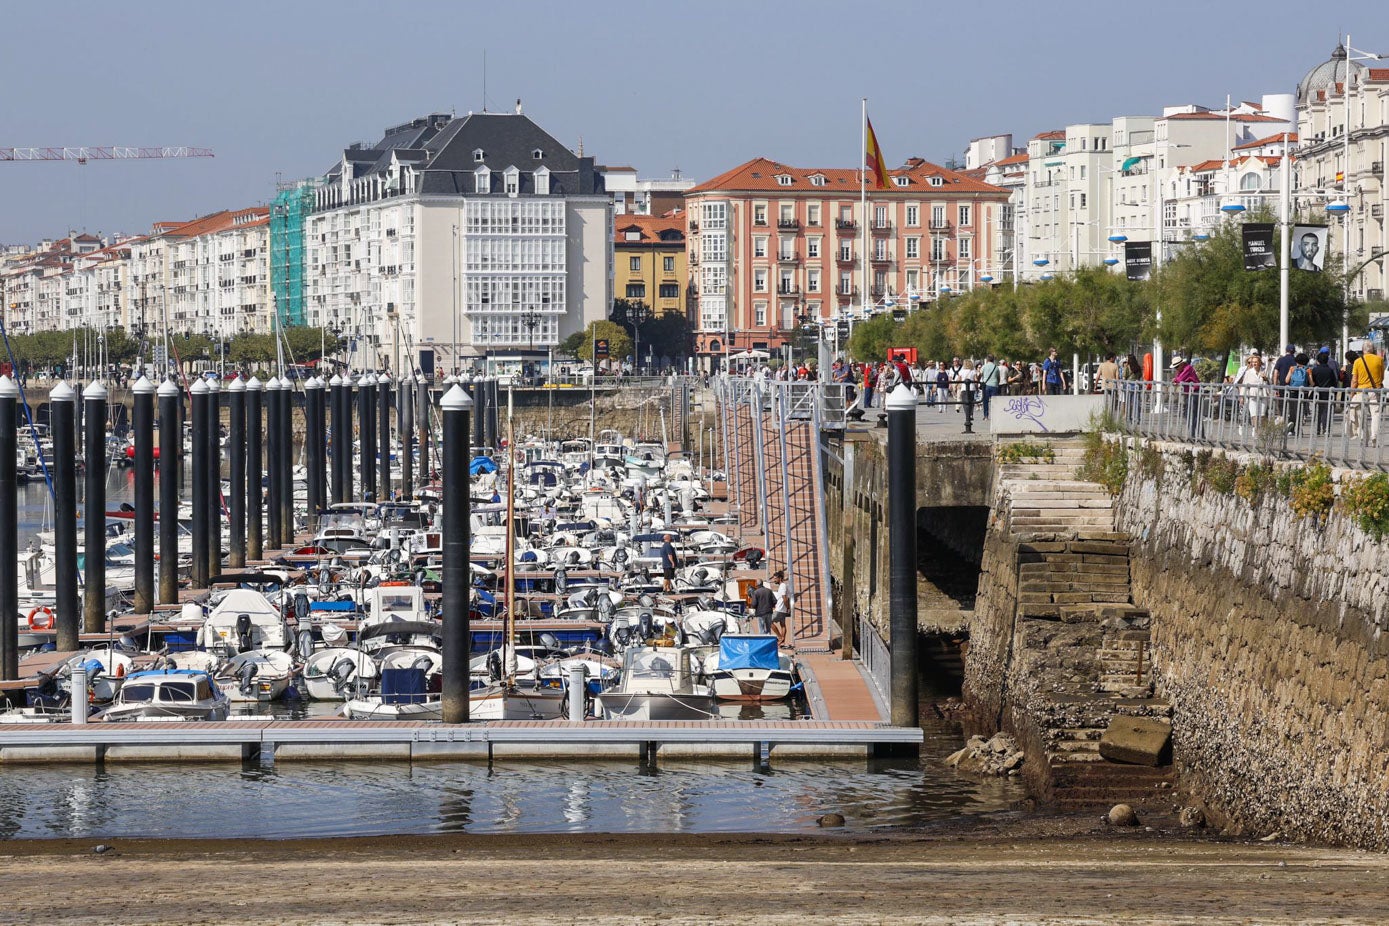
[{"x": 1326, "y": 76}]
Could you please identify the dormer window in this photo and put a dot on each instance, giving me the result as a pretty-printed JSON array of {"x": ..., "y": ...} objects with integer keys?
[
  {"x": 542, "y": 182},
  {"x": 783, "y": 179},
  {"x": 482, "y": 180},
  {"x": 901, "y": 181},
  {"x": 937, "y": 181},
  {"x": 817, "y": 179},
  {"x": 478, "y": 155},
  {"x": 511, "y": 181},
  {"x": 537, "y": 154}
]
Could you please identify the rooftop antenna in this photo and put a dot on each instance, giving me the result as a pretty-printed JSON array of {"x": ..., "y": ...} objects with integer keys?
[{"x": 484, "y": 80}]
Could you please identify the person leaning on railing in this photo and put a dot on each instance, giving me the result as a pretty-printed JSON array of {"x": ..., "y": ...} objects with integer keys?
[
  {"x": 1366, "y": 374},
  {"x": 1186, "y": 377}
]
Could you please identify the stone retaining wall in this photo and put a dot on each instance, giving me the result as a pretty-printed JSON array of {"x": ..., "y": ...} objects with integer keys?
[{"x": 1268, "y": 638}]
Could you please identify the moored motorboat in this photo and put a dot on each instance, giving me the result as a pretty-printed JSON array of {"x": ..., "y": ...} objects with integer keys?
[
  {"x": 168, "y": 694},
  {"x": 657, "y": 683}
]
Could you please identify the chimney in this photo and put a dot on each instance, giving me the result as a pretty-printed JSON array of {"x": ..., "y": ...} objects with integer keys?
[{"x": 518, "y": 106}]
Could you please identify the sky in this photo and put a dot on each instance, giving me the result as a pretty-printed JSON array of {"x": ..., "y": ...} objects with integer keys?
[{"x": 278, "y": 89}]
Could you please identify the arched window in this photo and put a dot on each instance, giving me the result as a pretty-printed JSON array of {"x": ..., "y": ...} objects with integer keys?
[{"x": 1251, "y": 181}]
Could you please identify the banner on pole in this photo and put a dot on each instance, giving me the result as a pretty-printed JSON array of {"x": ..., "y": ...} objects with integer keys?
[
  {"x": 1138, "y": 259},
  {"x": 1258, "y": 246},
  {"x": 1309, "y": 247}
]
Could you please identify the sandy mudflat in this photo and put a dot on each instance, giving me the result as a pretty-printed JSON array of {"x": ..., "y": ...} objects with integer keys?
[{"x": 1072, "y": 872}]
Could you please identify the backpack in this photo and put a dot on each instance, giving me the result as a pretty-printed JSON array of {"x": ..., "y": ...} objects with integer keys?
[{"x": 1298, "y": 377}]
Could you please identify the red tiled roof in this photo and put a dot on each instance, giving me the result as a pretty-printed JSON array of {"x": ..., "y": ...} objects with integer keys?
[
  {"x": 1053, "y": 135},
  {"x": 650, "y": 226},
  {"x": 1270, "y": 140},
  {"x": 1219, "y": 163},
  {"x": 1009, "y": 161},
  {"x": 1234, "y": 117},
  {"x": 1376, "y": 74},
  {"x": 221, "y": 221},
  {"x": 760, "y": 174}
]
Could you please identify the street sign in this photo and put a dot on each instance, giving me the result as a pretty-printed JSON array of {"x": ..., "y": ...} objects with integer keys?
[{"x": 600, "y": 349}]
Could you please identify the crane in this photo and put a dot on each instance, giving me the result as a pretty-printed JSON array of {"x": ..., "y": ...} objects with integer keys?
[{"x": 107, "y": 153}]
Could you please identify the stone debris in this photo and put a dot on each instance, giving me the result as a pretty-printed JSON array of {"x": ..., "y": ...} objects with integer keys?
[
  {"x": 998, "y": 755},
  {"x": 831, "y": 820},
  {"x": 1137, "y": 741},
  {"x": 1192, "y": 818},
  {"x": 1122, "y": 815}
]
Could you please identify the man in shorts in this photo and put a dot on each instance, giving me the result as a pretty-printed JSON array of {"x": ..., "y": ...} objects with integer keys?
[{"x": 668, "y": 562}]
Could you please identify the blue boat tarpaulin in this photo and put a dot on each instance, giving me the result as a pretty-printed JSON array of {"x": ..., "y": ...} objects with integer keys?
[
  {"x": 481, "y": 465},
  {"x": 332, "y": 606},
  {"x": 748, "y": 652},
  {"x": 402, "y": 686}
]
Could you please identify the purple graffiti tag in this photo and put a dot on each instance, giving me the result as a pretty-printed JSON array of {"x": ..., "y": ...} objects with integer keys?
[{"x": 1029, "y": 408}]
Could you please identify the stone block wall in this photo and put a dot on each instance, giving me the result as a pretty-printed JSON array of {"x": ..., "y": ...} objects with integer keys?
[{"x": 1268, "y": 637}]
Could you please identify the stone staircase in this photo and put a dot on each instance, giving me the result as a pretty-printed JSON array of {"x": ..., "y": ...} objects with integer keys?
[{"x": 1081, "y": 648}]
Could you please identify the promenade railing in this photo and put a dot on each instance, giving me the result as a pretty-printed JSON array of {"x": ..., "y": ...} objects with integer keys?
[{"x": 1340, "y": 426}]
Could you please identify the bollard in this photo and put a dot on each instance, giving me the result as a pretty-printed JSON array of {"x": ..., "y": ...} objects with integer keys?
[
  {"x": 901, "y": 490},
  {"x": 198, "y": 479},
  {"x": 144, "y": 391},
  {"x": 405, "y": 426},
  {"x": 366, "y": 430},
  {"x": 335, "y": 402},
  {"x": 94, "y": 509},
  {"x": 236, "y": 491},
  {"x": 457, "y": 571},
  {"x": 9, "y": 529},
  {"x": 272, "y": 469},
  {"x": 63, "y": 412},
  {"x": 313, "y": 442},
  {"x": 77, "y": 694},
  {"x": 494, "y": 434},
  {"x": 384, "y": 393},
  {"x": 214, "y": 479},
  {"x": 285, "y": 461},
  {"x": 255, "y": 492},
  {"x": 967, "y": 397},
  {"x": 578, "y": 687},
  {"x": 170, "y": 445}
]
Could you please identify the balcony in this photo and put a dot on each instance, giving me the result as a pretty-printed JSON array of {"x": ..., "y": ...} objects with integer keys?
[
  {"x": 845, "y": 225},
  {"x": 846, "y": 259},
  {"x": 694, "y": 228},
  {"x": 694, "y": 260},
  {"x": 845, "y": 292},
  {"x": 880, "y": 260},
  {"x": 790, "y": 257},
  {"x": 939, "y": 225},
  {"x": 1377, "y": 168},
  {"x": 878, "y": 291},
  {"x": 882, "y": 228},
  {"x": 788, "y": 224},
  {"x": 760, "y": 220},
  {"x": 1376, "y": 210}
]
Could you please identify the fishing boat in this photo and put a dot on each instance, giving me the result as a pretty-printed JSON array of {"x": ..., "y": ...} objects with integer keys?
[
  {"x": 168, "y": 694},
  {"x": 339, "y": 673}
]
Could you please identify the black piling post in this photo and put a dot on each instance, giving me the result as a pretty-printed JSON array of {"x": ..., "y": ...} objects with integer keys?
[
  {"x": 313, "y": 442},
  {"x": 424, "y": 404},
  {"x": 143, "y": 391},
  {"x": 285, "y": 461},
  {"x": 94, "y": 509},
  {"x": 273, "y": 447},
  {"x": 198, "y": 478},
  {"x": 342, "y": 438},
  {"x": 255, "y": 492},
  {"x": 901, "y": 491},
  {"x": 405, "y": 425},
  {"x": 170, "y": 446},
  {"x": 366, "y": 430},
  {"x": 384, "y": 393},
  {"x": 214, "y": 479},
  {"x": 236, "y": 491},
  {"x": 457, "y": 632},
  {"x": 62, "y": 416},
  {"x": 493, "y": 434},
  {"x": 9, "y": 529},
  {"x": 477, "y": 389}
]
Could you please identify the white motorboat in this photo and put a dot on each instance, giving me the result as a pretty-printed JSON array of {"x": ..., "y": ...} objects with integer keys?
[
  {"x": 168, "y": 694},
  {"x": 338, "y": 673},
  {"x": 243, "y": 620},
  {"x": 404, "y": 695},
  {"x": 749, "y": 667},
  {"x": 657, "y": 683},
  {"x": 256, "y": 675}
]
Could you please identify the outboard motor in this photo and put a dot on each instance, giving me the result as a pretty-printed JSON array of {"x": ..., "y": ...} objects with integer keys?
[
  {"x": 571, "y": 558},
  {"x": 247, "y": 675},
  {"x": 605, "y": 606},
  {"x": 622, "y": 636},
  {"x": 646, "y": 625},
  {"x": 243, "y": 633},
  {"x": 550, "y": 641},
  {"x": 620, "y": 556},
  {"x": 304, "y": 643},
  {"x": 341, "y": 673},
  {"x": 754, "y": 558},
  {"x": 713, "y": 633},
  {"x": 603, "y": 647},
  {"x": 699, "y": 576},
  {"x": 494, "y": 666},
  {"x": 561, "y": 580},
  {"x": 301, "y": 606}
]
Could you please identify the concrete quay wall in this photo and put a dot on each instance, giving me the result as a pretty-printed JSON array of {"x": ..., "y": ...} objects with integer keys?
[{"x": 1268, "y": 637}]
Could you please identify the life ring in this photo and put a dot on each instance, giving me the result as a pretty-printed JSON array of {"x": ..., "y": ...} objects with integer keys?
[{"x": 41, "y": 618}]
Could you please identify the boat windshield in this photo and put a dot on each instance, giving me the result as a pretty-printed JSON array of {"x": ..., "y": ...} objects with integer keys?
[
  {"x": 136, "y": 694},
  {"x": 651, "y": 665},
  {"x": 397, "y": 602},
  {"x": 179, "y": 692}
]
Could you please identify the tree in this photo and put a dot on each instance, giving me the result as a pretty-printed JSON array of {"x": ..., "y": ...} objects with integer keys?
[
  {"x": 619, "y": 344},
  {"x": 872, "y": 338},
  {"x": 571, "y": 344},
  {"x": 670, "y": 335}
]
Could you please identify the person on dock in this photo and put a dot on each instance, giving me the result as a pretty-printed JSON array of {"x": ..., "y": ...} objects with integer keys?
[
  {"x": 668, "y": 562},
  {"x": 781, "y": 610},
  {"x": 763, "y": 600}
]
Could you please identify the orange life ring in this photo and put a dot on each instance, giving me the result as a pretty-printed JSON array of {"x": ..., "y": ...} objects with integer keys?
[{"x": 41, "y": 618}]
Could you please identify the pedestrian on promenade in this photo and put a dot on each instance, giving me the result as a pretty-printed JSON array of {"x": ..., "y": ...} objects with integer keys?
[
  {"x": 870, "y": 379},
  {"x": 942, "y": 384},
  {"x": 1323, "y": 382},
  {"x": 990, "y": 375},
  {"x": 1294, "y": 394},
  {"x": 1251, "y": 382},
  {"x": 1052, "y": 375},
  {"x": 781, "y": 609},
  {"x": 1366, "y": 378},
  {"x": 1107, "y": 375},
  {"x": 1186, "y": 377}
]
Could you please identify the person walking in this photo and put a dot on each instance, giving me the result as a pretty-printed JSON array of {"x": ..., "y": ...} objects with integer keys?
[
  {"x": 1293, "y": 394},
  {"x": 1366, "y": 379},
  {"x": 1251, "y": 382},
  {"x": 762, "y": 600},
  {"x": 990, "y": 375},
  {"x": 942, "y": 385},
  {"x": 1186, "y": 377},
  {"x": 668, "y": 562},
  {"x": 1323, "y": 382},
  {"x": 781, "y": 609},
  {"x": 870, "y": 379},
  {"x": 1052, "y": 375}
]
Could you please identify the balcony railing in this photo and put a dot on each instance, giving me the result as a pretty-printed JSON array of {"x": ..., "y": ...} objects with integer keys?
[
  {"x": 845, "y": 224},
  {"x": 788, "y": 224},
  {"x": 788, "y": 290},
  {"x": 694, "y": 227},
  {"x": 788, "y": 258},
  {"x": 940, "y": 225},
  {"x": 879, "y": 259},
  {"x": 846, "y": 259},
  {"x": 882, "y": 228},
  {"x": 760, "y": 220}
]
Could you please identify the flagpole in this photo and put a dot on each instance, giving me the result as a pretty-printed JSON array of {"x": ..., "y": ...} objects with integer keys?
[{"x": 863, "y": 211}]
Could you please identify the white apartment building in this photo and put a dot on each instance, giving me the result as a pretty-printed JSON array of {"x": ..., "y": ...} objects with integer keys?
[
  {"x": 453, "y": 238},
  {"x": 1343, "y": 128},
  {"x": 218, "y": 274}
]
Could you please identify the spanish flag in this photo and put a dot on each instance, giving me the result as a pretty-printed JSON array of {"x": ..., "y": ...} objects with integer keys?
[
  {"x": 873, "y": 158},
  {"x": 1340, "y": 176}
]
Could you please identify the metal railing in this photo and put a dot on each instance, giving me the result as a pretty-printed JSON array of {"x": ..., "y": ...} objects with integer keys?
[
  {"x": 1340, "y": 426},
  {"x": 873, "y": 652}
]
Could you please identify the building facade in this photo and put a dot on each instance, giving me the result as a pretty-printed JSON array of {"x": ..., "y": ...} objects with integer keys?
[
  {"x": 649, "y": 264},
  {"x": 457, "y": 238},
  {"x": 772, "y": 247}
]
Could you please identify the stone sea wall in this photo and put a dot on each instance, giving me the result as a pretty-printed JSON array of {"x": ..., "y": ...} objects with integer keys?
[{"x": 1268, "y": 637}]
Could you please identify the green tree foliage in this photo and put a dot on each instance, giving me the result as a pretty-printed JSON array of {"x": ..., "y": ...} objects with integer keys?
[
  {"x": 619, "y": 344},
  {"x": 669, "y": 335}
]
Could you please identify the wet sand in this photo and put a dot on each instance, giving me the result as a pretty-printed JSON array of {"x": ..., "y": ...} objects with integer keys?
[{"x": 1020, "y": 870}]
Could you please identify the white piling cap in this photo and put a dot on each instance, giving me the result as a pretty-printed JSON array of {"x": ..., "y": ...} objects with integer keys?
[
  {"x": 903, "y": 398},
  {"x": 168, "y": 387},
  {"x": 313, "y": 382},
  {"x": 212, "y": 385},
  {"x": 456, "y": 400},
  {"x": 62, "y": 392},
  {"x": 335, "y": 382},
  {"x": 383, "y": 379},
  {"x": 409, "y": 379},
  {"x": 237, "y": 385},
  {"x": 273, "y": 383},
  {"x": 199, "y": 386},
  {"x": 94, "y": 391},
  {"x": 8, "y": 388},
  {"x": 369, "y": 379},
  {"x": 143, "y": 386},
  {"x": 253, "y": 385}
]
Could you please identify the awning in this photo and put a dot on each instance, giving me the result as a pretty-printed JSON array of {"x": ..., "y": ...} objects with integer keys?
[{"x": 1130, "y": 163}]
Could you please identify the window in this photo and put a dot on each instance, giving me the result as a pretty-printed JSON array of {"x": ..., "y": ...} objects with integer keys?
[
  {"x": 759, "y": 247},
  {"x": 965, "y": 215},
  {"x": 788, "y": 283},
  {"x": 478, "y": 155},
  {"x": 937, "y": 216},
  {"x": 786, "y": 248},
  {"x": 937, "y": 249},
  {"x": 759, "y": 214},
  {"x": 817, "y": 179},
  {"x": 846, "y": 284},
  {"x": 512, "y": 181},
  {"x": 668, "y": 264},
  {"x": 759, "y": 281},
  {"x": 913, "y": 248},
  {"x": 965, "y": 248},
  {"x": 846, "y": 252},
  {"x": 1082, "y": 171},
  {"x": 812, "y": 247},
  {"x": 880, "y": 249},
  {"x": 812, "y": 281},
  {"x": 786, "y": 212},
  {"x": 1250, "y": 181},
  {"x": 812, "y": 215},
  {"x": 937, "y": 181},
  {"x": 912, "y": 278},
  {"x": 537, "y": 154},
  {"x": 670, "y": 290},
  {"x": 634, "y": 264},
  {"x": 880, "y": 216},
  {"x": 636, "y": 290},
  {"x": 901, "y": 181},
  {"x": 913, "y": 215},
  {"x": 542, "y": 182},
  {"x": 759, "y": 312},
  {"x": 783, "y": 180},
  {"x": 632, "y": 236},
  {"x": 1083, "y": 200},
  {"x": 482, "y": 180}
]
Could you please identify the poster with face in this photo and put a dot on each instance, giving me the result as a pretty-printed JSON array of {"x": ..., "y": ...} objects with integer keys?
[{"x": 1309, "y": 247}]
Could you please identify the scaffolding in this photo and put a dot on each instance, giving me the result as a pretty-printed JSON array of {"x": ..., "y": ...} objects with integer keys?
[{"x": 288, "y": 211}]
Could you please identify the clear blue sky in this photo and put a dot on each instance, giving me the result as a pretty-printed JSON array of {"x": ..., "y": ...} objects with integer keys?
[{"x": 281, "y": 88}]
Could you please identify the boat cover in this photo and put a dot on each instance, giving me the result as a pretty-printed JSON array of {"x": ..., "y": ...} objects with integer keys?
[
  {"x": 402, "y": 686},
  {"x": 748, "y": 652},
  {"x": 481, "y": 465}
]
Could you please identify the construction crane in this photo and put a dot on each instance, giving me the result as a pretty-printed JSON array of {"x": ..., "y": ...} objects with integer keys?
[{"x": 108, "y": 153}]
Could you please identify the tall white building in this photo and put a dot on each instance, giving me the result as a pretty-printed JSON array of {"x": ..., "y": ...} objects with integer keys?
[{"x": 452, "y": 238}]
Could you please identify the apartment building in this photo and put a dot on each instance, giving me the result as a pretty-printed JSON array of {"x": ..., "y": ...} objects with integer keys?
[
  {"x": 649, "y": 264},
  {"x": 772, "y": 246}
]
